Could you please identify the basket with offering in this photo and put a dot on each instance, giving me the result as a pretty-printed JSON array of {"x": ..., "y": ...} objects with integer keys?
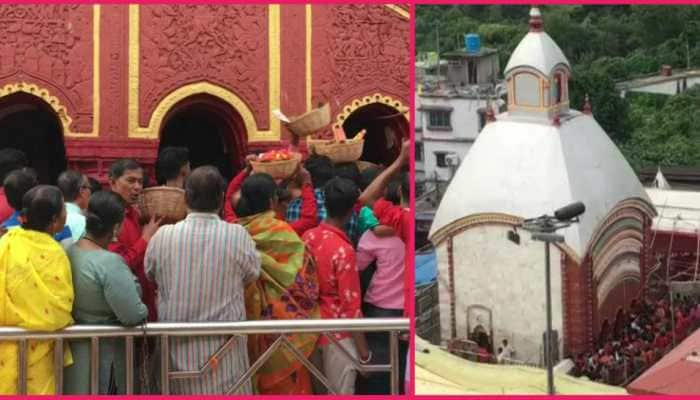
[
  {"x": 340, "y": 149},
  {"x": 280, "y": 164}
]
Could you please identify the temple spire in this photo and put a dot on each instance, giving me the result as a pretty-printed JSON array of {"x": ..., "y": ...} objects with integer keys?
[
  {"x": 536, "y": 24},
  {"x": 587, "y": 106}
]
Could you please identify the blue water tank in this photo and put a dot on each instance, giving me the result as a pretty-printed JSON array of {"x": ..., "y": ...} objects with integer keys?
[{"x": 472, "y": 43}]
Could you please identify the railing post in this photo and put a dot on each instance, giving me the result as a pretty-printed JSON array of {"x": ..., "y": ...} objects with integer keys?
[
  {"x": 58, "y": 364},
  {"x": 164, "y": 365},
  {"x": 94, "y": 333},
  {"x": 22, "y": 368},
  {"x": 94, "y": 365},
  {"x": 394, "y": 356},
  {"x": 129, "y": 360}
]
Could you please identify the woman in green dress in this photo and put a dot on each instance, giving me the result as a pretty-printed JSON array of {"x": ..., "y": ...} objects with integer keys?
[{"x": 106, "y": 293}]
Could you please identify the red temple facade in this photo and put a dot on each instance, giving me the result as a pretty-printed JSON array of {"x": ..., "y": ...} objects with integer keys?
[{"x": 83, "y": 85}]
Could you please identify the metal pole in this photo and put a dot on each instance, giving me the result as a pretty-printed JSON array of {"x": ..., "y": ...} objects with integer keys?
[
  {"x": 58, "y": 365},
  {"x": 164, "y": 365},
  {"x": 437, "y": 33},
  {"x": 673, "y": 316},
  {"x": 394, "y": 355},
  {"x": 94, "y": 366},
  {"x": 22, "y": 368},
  {"x": 548, "y": 335},
  {"x": 129, "y": 358}
]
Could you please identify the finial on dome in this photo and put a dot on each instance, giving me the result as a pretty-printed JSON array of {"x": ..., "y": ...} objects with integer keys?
[
  {"x": 536, "y": 24},
  {"x": 587, "y": 106}
]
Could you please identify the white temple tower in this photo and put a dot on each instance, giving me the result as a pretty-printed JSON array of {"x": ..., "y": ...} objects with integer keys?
[{"x": 530, "y": 161}]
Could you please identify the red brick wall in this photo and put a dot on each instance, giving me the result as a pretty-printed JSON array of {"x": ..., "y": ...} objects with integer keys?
[{"x": 358, "y": 50}]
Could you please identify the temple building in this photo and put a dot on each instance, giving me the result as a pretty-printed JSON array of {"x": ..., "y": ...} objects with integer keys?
[
  {"x": 83, "y": 85},
  {"x": 538, "y": 156}
]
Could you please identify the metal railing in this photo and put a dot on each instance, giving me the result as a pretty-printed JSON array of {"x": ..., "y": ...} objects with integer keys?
[{"x": 164, "y": 330}]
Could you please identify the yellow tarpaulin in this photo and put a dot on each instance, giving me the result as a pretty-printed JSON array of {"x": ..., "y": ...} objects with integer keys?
[{"x": 439, "y": 372}]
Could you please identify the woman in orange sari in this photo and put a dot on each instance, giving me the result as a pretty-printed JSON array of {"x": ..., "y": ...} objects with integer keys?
[{"x": 287, "y": 288}]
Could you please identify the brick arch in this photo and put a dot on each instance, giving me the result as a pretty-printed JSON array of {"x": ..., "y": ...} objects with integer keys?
[
  {"x": 30, "y": 123},
  {"x": 376, "y": 118},
  {"x": 236, "y": 136},
  {"x": 623, "y": 229}
]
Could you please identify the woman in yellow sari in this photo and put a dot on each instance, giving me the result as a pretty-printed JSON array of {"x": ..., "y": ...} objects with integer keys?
[
  {"x": 36, "y": 289},
  {"x": 287, "y": 288}
]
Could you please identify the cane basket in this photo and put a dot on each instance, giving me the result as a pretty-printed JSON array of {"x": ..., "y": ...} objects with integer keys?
[
  {"x": 311, "y": 122},
  {"x": 163, "y": 201},
  {"x": 277, "y": 169},
  {"x": 338, "y": 151}
]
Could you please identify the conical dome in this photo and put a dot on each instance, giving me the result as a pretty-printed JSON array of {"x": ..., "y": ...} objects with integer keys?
[{"x": 537, "y": 50}]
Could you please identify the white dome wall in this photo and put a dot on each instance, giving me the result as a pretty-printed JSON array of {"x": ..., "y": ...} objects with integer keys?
[
  {"x": 506, "y": 278},
  {"x": 527, "y": 169}
]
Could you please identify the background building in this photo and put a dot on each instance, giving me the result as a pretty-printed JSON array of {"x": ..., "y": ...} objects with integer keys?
[{"x": 451, "y": 109}]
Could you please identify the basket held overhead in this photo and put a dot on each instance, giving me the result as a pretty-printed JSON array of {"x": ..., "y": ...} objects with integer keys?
[
  {"x": 281, "y": 169},
  {"x": 311, "y": 122},
  {"x": 338, "y": 151},
  {"x": 163, "y": 201}
]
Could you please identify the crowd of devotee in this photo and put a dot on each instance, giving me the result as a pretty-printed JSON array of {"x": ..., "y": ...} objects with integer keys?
[
  {"x": 329, "y": 242},
  {"x": 640, "y": 336}
]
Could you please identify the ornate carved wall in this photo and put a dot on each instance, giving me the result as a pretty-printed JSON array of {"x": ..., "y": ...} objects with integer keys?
[
  {"x": 49, "y": 48},
  {"x": 220, "y": 44},
  {"x": 359, "y": 51},
  {"x": 112, "y": 72}
]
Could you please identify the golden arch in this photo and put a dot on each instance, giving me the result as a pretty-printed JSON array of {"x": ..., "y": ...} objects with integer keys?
[
  {"x": 274, "y": 76},
  {"x": 355, "y": 104},
  {"x": 186, "y": 91},
  {"x": 54, "y": 102},
  {"x": 46, "y": 96}
]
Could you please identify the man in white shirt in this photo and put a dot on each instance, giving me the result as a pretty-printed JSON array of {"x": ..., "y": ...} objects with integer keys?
[{"x": 76, "y": 193}]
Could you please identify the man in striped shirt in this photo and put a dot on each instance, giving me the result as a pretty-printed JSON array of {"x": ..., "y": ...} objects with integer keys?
[{"x": 201, "y": 266}]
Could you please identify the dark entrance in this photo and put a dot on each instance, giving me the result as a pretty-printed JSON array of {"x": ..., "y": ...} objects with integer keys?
[
  {"x": 27, "y": 123},
  {"x": 385, "y": 126},
  {"x": 211, "y": 129}
]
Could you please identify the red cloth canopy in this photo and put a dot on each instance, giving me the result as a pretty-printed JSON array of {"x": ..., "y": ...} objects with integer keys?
[{"x": 678, "y": 372}]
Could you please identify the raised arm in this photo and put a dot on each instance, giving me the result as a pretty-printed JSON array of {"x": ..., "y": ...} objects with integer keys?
[
  {"x": 233, "y": 187},
  {"x": 308, "y": 218},
  {"x": 375, "y": 189}
]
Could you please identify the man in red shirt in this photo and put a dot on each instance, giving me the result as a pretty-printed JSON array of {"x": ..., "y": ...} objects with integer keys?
[
  {"x": 339, "y": 283},
  {"x": 10, "y": 160},
  {"x": 126, "y": 180}
]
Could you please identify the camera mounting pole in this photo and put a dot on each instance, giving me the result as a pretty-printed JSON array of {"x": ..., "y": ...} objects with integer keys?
[{"x": 544, "y": 229}]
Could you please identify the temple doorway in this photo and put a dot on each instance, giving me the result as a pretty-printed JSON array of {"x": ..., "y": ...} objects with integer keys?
[
  {"x": 29, "y": 124},
  {"x": 386, "y": 127},
  {"x": 211, "y": 129}
]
